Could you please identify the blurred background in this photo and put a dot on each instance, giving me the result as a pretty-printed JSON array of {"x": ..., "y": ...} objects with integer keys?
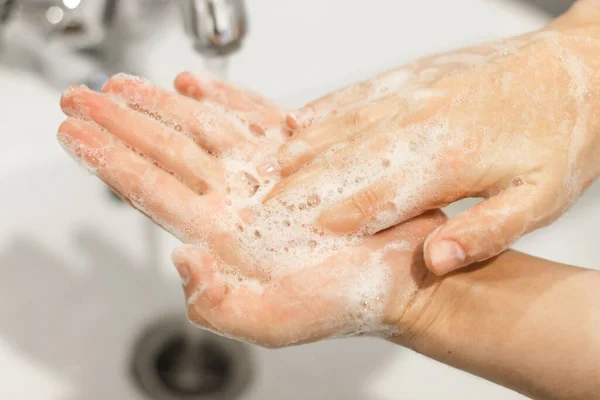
[{"x": 90, "y": 307}]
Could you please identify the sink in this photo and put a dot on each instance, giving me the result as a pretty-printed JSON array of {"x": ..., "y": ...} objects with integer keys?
[{"x": 82, "y": 276}]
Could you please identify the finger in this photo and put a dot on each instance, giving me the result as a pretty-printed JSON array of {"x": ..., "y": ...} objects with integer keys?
[
  {"x": 314, "y": 302},
  {"x": 197, "y": 269},
  {"x": 382, "y": 164},
  {"x": 385, "y": 203},
  {"x": 260, "y": 113},
  {"x": 487, "y": 229},
  {"x": 342, "y": 100},
  {"x": 172, "y": 151},
  {"x": 314, "y": 140},
  {"x": 208, "y": 124},
  {"x": 330, "y": 105},
  {"x": 362, "y": 208},
  {"x": 244, "y": 309},
  {"x": 311, "y": 174},
  {"x": 346, "y": 162},
  {"x": 147, "y": 187},
  {"x": 302, "y": 307}
]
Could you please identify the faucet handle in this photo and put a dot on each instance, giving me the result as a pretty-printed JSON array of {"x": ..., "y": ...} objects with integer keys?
[
  {"x": 81, "y": 24},
  {"x": 217, "y": 27},
  {"x": 78, "y": 24}
]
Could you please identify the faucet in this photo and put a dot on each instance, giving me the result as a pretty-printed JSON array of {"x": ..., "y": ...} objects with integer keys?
[
  {"x": 85, "y": 41},
  {"x": 217, "y": 27}
]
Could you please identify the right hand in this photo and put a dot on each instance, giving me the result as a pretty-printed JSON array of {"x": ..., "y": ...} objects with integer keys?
[{"x": 516, "y": 122}]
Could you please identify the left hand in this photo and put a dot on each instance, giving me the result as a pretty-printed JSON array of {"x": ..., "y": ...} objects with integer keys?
[{"x": 257, "y": 273}]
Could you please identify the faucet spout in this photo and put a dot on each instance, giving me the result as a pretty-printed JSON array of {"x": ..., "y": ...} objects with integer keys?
[{"x": 217, "y": 27}]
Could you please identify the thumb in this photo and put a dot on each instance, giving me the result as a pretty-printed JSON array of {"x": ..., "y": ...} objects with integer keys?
[{"x": 486, "y": 229}]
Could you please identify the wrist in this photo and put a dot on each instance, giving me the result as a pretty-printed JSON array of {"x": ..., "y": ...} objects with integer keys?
[
  {"x": 421, "y": 312},
  {"x": 446, "y": 310},
  {"x": 523, "y": 322},
  {"x": 463, "y": 319}
]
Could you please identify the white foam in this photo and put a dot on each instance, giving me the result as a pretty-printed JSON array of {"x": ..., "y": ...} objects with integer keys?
[{"x": 283, "y": 236}]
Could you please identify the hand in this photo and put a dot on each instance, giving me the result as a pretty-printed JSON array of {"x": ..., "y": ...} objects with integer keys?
[
  {"x": 362, "y": 289},
  {"x": 261, "y": 274},
  {"x": 516, "y": 122}
]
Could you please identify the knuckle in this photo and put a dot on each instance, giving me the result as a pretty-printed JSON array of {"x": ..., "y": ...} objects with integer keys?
[
  {"x": 294, "y": 153},
  {"x": 367, "y": 202},
  {"x": 484, "y": 236},
  {"x": 354, "y": 117},
  {"x": 165, "y": 143},
  {"x": 359, "y": 207},
  {"x": 372, "y": 197},
  {"x": 363, "y": 114}
]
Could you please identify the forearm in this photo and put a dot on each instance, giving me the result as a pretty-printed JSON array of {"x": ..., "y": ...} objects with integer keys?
[{"x": 526, "y": 323}]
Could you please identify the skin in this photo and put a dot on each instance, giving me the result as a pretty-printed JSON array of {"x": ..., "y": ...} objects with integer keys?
[
  {"x": 165, "y": 154},
  {"x": 526, "y": 323},
  {"x": 149, "y": 147},
  {"x": 547, "y": 312},
  {"x": 516, "y": 122}
]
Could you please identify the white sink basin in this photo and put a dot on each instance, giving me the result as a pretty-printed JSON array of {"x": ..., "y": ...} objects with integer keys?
[{"x": 81, "y": 275}]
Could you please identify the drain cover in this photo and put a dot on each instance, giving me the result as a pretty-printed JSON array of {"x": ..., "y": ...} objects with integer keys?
[{"x": 173, "y": 362}]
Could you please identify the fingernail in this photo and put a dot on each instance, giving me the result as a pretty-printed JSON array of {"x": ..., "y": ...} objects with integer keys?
[
  {"x": 257, "y": 130},
  {"x": 446, "y": 256},
  {"x": 268, "y": 169},
  {"x": 291, "y": 122}
]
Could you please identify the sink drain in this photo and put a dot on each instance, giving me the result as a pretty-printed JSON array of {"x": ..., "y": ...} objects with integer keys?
[{"x": 173, "y": 362}]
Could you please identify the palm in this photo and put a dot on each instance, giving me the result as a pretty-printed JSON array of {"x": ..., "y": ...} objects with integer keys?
[
  {"x": 362, "y": 289},
  {"x": 199, "y": 176}
]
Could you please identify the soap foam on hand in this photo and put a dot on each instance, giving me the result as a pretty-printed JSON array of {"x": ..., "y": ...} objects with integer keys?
[
  {"x": 282, "y": 237},
  {"x": 449, "y": 141},
  {"x": 257, "y": 248}
]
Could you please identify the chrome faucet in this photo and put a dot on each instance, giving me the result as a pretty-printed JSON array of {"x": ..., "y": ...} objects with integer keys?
[
  {"x": 217, "y": 27},
  {"x": 92, "y": 37},
  {"x": 79, "y": 24}
]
